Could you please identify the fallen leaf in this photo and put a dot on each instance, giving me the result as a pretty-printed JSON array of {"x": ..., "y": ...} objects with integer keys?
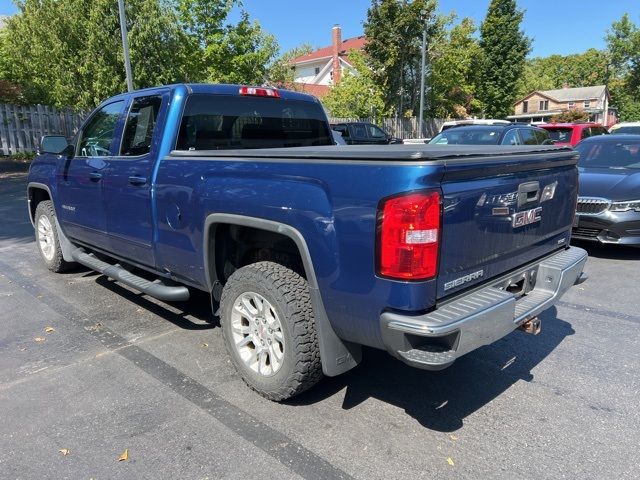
[
  {"x": 49, "y": 329},
  {"x": 139, "y": 310},
  {"x": 453, "y": 437},
  {"x": 450, "y": 461},
  {"x": 204, "y": 345},
  {"x": 64, "y": 451},
  {"x": 125, "y": 456},
  {"x": 23, "y": 349},
  {"x": 39, "y": 339}
]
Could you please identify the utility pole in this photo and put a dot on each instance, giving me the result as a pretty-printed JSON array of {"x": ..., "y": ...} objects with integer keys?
[
  {"x": 125, "y": 45},
  {"x": 424, "y": 54}
]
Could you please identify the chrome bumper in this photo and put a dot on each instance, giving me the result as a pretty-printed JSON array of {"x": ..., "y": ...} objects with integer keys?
[{"x": 433, "y": 341}]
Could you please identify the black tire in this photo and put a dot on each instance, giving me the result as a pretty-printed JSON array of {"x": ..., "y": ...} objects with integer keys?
[
  {"x": 288, "y": 294},
  {"x": 54, "y": 259}
]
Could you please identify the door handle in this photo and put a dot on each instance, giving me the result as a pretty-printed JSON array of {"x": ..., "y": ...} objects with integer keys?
[
  {"x": 95, "y": 176},
  {"x": 137, "y": 180}
]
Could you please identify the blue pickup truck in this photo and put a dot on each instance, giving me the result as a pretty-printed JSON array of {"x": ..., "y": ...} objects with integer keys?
[{"x": 308, "y": 250}]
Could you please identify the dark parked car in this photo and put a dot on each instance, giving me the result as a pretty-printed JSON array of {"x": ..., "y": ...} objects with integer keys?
[
  {"x": 512, "y": 134},
  {"x": 363, "y": 133},
  {"x": 609, "y": 202}
]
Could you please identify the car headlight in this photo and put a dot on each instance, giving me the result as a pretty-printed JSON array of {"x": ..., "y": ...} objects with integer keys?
[{"x": 625, "y": 206}]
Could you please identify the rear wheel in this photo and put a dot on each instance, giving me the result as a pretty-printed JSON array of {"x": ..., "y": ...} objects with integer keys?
[
  {"x": 47, "y": 238},
  {"x": 269, "y": 330}
]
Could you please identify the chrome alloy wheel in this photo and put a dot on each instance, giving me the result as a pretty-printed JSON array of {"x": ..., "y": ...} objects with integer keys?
[
  {"x": 46, "y": 240},
  {"x": 257, "y": 333}
]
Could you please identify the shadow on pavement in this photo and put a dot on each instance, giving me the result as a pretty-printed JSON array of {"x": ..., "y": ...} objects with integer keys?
[
  {"x": 612, "y": 252},
  {"x": 442, "y": 400},
  {"x": 16, "y": 226},
  {"x": 198, "y": 306}
]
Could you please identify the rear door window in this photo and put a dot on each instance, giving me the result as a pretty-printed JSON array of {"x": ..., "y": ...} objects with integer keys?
[
  {"x": 542, "y": 136},
  {"x": 359, "y": 132},
  {"x": 376, "y": 133},
  {"x": 586, "y": 133},
  {"x": 141, "y": 123},
  {"x": 221, "y": 122},
  {"x": 511, "y": 137},
  {"x": 528, "y": 136}
]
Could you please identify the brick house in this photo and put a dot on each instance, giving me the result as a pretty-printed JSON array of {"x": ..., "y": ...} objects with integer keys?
[
  {"x": 541, "y": 105},
  {"x": 315, "y": 72}
]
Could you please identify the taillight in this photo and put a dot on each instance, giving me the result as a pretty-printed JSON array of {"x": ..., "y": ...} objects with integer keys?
[
  {"x": 259, "y": 92},
  {"x": 409, "y": 236}
]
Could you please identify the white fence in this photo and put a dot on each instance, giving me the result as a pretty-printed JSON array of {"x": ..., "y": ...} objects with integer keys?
[
  {"x": 405, "y": 128},
  {"x": 21, "y": 127}
]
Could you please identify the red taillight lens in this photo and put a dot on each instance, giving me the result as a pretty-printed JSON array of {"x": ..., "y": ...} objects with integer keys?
[
  {"x": 259, "y": 92},
  {"x": 409, "y": 235}
]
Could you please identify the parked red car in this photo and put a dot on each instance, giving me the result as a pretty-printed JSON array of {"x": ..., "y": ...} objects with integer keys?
[{"x": 572, "y": 133}]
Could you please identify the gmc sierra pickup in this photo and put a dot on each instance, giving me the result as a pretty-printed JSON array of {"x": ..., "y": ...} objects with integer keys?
[{"x": 308, "y": 250}]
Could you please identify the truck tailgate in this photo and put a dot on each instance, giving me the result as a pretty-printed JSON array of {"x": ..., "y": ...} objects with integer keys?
[{"x": 499, "y": 214}]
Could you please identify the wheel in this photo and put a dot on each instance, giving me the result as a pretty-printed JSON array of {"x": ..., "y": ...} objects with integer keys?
[
  {"x": 269, "y": 330},
  {"x": 47, "y": 238}
]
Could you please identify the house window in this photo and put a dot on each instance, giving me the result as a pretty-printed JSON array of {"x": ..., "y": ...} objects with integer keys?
[
  {"x": 587, "y": 104},
  {"x": 525, "y": 106},
  {"x": 571, "y": 105},
  {"x": 316, "y": 70},
  {"x": 544, "y": 105}
]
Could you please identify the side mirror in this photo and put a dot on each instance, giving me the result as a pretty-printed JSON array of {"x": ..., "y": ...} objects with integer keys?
[{"x": 56, "y": 144}]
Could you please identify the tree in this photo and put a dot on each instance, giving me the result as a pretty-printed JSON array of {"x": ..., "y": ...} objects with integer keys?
[
  {"x": 452, "y": 78},
  {"x": 281, "y": 73},
  {"x": 504, "y": 49},
  {"x": 577, "y": 70},
  {"x": 623, "y": 45},
  {"x": 570, "y": 116},
  {"x": 68, "y": 53},
  {"x": 357, "y": 95},
  {"x": 394, "y": 34}
]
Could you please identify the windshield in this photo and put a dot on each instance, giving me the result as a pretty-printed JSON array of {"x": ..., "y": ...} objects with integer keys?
[
  {"x": 633, "y": 130},
  {"x": 560, "y": 135},
  {"x": 621, "y": 154},
  {"x": 467, "y": 136}
]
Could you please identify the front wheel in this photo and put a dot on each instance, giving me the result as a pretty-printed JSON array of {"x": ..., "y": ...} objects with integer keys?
[
  {"x": 269, "y": 330},
  {"x": 47, "y": 238}
]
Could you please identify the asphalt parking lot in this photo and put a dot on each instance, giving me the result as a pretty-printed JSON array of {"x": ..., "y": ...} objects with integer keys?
[{"x": 120, "y": 371}]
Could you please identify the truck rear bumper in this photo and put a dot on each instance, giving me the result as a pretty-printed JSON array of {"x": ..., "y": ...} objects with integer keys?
[{"x": 434, "y": 340}]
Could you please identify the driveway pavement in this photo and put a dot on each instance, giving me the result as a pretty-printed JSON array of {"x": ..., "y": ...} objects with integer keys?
[{"x": 120, "y": 371}]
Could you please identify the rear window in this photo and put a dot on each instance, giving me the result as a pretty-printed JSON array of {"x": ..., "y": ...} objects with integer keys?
[
  {"x": 220, "y": 122},
  {"x": 617, "y": 155},
  {"x": 561, "y": 135}
]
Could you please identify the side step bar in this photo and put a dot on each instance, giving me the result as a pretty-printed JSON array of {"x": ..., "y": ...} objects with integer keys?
[{"x": 155, "y": 290}]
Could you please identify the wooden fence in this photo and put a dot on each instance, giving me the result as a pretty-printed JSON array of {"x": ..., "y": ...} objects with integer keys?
[
  {"x": 21, "y": 127},
  {"x": 405, "y": 128}
]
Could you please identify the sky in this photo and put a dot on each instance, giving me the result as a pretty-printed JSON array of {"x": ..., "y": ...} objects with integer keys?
[{"x": 556, "y": 27}]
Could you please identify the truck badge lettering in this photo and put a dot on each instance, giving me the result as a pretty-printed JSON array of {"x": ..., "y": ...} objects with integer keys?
[
  {"x": 520, "y": 219},
  {"x": 462, "y": 280}
]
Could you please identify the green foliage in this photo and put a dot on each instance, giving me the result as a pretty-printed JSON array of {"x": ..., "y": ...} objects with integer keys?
[
  {"x": 623, "y": 43},
  {"x": 570, "y": 116},
  {"x": 69, "y": 52},
  {"x": 357, "y": 95},
  {"x": 577, "y": 70},
  {"x": 394, "y": 36},
  {"x": 452, "y": 79},
  {"x": 504, "y": 49},
  {"x": 281, "y": 72}
]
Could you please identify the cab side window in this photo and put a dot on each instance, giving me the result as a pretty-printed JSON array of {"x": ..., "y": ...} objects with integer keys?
[
  {"x": 141, "y": 123},
  {"x": 96, "y": 137},
  {"x": 528, "y": 136},
  {"x": 511, "y": 138}
]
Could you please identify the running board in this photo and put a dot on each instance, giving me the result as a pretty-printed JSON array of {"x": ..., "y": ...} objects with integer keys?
[{"x": 116, "y": 272}]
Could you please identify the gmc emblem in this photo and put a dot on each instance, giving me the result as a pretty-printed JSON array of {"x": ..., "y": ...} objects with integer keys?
[{"x": 520, "y": 219}]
